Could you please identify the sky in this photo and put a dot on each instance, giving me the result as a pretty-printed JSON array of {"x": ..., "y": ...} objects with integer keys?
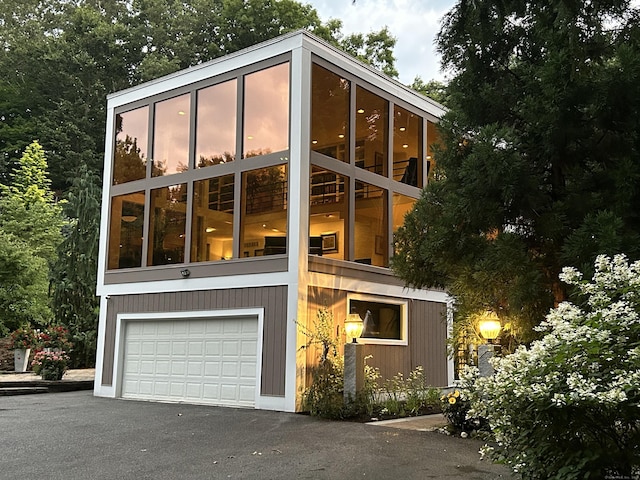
[{"x": 414, "y": 24}]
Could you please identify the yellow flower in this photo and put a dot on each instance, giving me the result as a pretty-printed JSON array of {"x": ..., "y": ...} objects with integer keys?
[
  {"x": 456, "y": 394},
  {"x": 452, "y": 400}
]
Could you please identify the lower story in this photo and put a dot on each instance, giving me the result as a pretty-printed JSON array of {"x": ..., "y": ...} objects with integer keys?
[{"x": 242, "y": 347}]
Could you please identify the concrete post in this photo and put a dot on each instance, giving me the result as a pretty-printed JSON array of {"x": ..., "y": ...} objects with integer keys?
[
  {"x": 485, "y": 353},
  {"x": 353, "y": 370}
]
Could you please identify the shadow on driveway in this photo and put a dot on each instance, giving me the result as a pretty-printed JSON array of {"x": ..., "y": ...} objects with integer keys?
[{"x": 77, "y": 436}]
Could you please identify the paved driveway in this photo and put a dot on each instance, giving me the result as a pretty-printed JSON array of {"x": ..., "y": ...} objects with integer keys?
[{"x": 77, "y": 436}]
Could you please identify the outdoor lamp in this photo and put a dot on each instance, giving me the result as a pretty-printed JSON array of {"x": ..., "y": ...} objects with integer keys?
[
  {"x": 353, "y": 325},
  {"x": 490, "y": 326}
]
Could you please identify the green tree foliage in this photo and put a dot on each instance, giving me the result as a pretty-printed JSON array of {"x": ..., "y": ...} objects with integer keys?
[
  {"x": 433, "y": 89},
  {"x": 540, "y": 162},
  {"x": 30, "y": 222},
  {"x": 74, "y": 274}
]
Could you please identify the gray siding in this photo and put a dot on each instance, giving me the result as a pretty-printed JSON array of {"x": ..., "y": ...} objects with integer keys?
[
  {"x": 427, "y": 338},
  {"x": 273, "y": 299}
]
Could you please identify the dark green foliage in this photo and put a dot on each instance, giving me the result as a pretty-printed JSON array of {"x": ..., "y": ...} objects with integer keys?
[{"x": 540, "y": 166}]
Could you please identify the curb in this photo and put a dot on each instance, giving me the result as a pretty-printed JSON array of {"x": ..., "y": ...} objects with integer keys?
[{"x": 11, "y": 388}]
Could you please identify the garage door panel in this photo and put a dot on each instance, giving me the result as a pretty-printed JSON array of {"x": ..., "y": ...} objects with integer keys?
[{"x": 198, "y": 360}]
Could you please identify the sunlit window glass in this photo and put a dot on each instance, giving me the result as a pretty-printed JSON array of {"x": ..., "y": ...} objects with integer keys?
[
  {"x": 407, "y": 147},
  {"x": 328, "y": 208},
  {"x": 216, "y": 124},
  {"x": 130, "y": 156},
  {"x": 171, "y": 136},
  {"x": 372, "y": 126},
  {"x": 401, "y": 206},
  {"x": 266, "y": 111},
  {"x": 263, "y": 227},
  {"x": 433, "y": 138},
  {"x": 212, "y": 221},
  {"x": 330, "y": 95},
  {"x": 125, "y": 231},
  {"x": 371, "y": 242},
  {"x": 167, "y": 225}
]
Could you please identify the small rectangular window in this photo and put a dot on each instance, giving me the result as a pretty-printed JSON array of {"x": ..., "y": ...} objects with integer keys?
[
  {"x": 125, "y": 231},
  {"x": 385, "y": 321},
  {"x": 130, "y": 156},
  {"x": 167, "y": 223}
]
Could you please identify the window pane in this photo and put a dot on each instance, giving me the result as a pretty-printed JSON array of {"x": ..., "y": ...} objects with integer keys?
[
  {"x": 212, "y": 222},
  {"x": 266, "y": 111},
  {"x": 125, "y": 232},
  {"x": 171, "y": 136},
  {"x": 130, "y": 157},
  {"x": 381, "y": 320},
  {"x": 433, "y": 137},
  {"x": 407, "y": 147},
  {"x": 372, "y": 138},
  {"x": 401, "y": 206},
  {"x": 167, "y": 225},
  {"x": 328, "y": 209},
  {"x": 263, "y": 228},
  {"x": 371, "y": 242},
  {"x": 330, "y": 96},
  {"x": 216, "y": 124}
]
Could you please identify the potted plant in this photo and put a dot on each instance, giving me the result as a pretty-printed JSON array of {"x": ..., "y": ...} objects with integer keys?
[
  {"x": 50, "y": 365},
  {"x": 54, "y": 338},
  {"x": 22, "y": 340}
]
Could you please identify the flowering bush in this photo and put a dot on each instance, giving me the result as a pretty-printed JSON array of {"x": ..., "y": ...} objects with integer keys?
[
  {"x": 54, "y": 337},
  {"x": 568, "y": 407},
  {"x": 455, "y": 408},
  {"x": 23, "y": 338},
  {"x": 50, "y": 365}
]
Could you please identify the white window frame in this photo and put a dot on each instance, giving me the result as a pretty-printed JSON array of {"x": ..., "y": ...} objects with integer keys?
[{"x": 404, "y": 318}]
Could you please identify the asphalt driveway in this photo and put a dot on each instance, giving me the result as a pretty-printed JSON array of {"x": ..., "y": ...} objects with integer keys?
[{"x": 77, "y": 436}]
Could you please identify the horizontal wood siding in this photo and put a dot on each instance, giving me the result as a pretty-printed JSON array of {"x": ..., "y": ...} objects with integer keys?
[
  {"x": 427, "y": 342},
  {"x": 272, "y": 299}
]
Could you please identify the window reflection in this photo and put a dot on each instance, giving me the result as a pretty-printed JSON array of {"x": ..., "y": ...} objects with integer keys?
[
  {"x": 266, "y": 111},
  {"x": 130, "y": 156},
  {"x": 263, "y": 227},
  {"x": 125, "y": 232},
  {"x": 401, "y": 206},
  {"x": 381, "y": 320},
  {"x": 216, "y": 124},
  {"x": 407, "y": 147},
  {"x": 167, "y": 225},
  {"x": 212, "y": 221},
  {"x": 330, "y": 96},
  {"x": 328, "y": 208},
  {"x": 372, "y": 139},
  {"x": 371, "y": 236},
  {"x": 433, "y": 138},
  {"x": 171, "y": 136}
]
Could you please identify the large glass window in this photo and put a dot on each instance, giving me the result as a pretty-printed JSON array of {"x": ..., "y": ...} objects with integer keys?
[
  {"x": 167, "y": 225},
  {"x": 384, "y": 322},
  {"x": 171, "y": 136},
  {"x": 401, "y": 206},
  {"x": 266, "y": 111},
  {"x": 372, "y": 131},
  {"x": 212, "y": 224},
  {"x": 433, "y": 137},
  {"x": 130, "y": 156},
  {"x": 371, "y": 235},
  {"x": 263, "y": 227},
  {"x": 328, "y": 210},
  {"x": 125, "y": 232},
  {"x": 330, "y": 97},
  {"x": 216, "y": 124},
  {"x": 407, "y": 147}
]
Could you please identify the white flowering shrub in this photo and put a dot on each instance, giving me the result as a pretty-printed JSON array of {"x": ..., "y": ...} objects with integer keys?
[{"x": 568, "y": 406}]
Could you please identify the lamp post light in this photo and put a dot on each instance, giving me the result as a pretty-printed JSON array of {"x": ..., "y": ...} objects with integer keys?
[
  {"x": 353, "y": 358},
  {"x": 490, "y": 327}
]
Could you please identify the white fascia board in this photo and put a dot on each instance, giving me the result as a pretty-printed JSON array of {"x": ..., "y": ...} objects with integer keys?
[
  {"x": 106, "y": 204},
  {"x": 369, "y": 74},
  {"x": 372, "y": 288},
  {"x": 210, "y": 69}
]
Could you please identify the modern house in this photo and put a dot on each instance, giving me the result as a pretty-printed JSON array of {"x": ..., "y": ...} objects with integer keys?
[{"x": 242, "y": 195}]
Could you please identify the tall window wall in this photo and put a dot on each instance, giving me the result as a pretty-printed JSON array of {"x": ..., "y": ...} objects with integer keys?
[
  {"x": 179, "y": 193},
  {"x": 369, "y": 163}
]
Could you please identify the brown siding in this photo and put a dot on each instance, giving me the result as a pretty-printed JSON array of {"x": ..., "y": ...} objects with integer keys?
[
  {"x": 273, "y": 299},
  {"x": 427, "y": 342}
]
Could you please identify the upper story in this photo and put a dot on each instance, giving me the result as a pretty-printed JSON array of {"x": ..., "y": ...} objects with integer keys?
[{"x": 285, "y": 157}]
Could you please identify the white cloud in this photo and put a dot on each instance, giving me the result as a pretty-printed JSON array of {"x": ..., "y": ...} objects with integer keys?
[{"x": 414, "y": 23}]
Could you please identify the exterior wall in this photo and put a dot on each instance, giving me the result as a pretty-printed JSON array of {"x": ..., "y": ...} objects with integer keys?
[
  {"x": 427, "y": 337},
  {"x": 273, "y": 299}
]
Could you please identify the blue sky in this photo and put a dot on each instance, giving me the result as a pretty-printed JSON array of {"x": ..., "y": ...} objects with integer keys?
[{"x": 414, "y": 23}]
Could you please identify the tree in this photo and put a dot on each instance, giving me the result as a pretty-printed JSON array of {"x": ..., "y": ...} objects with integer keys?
[
  {"x": 74, "y": 273},
  {"x": 433, "y": 89},
  {"x": 539, "y": 166}
]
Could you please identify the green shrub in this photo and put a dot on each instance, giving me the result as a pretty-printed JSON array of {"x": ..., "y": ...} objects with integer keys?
[{"x": 568, "y": 406}]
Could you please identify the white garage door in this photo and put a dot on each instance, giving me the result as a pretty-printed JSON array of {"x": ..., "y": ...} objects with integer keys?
[{"x": 211, "y": 361}]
